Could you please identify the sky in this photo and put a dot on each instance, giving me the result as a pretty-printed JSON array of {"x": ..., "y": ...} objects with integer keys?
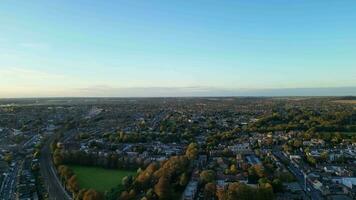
[{"x": 177, "y": 48}]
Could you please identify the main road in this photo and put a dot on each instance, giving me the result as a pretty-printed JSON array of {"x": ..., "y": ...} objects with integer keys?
[
  {"x": 54, "y": 187},
  {"x": 8, "y": 187},
  {"x": 302, "y": 180}
]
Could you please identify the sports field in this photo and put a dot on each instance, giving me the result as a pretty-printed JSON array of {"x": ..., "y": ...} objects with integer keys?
[{"x": 99, "y": 179}]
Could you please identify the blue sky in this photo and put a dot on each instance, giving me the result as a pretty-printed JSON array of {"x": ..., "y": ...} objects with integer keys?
[{"x": 174, "y": 48}]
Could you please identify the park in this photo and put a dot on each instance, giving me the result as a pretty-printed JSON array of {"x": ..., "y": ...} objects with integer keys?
[{"x": 98, "y": 178}]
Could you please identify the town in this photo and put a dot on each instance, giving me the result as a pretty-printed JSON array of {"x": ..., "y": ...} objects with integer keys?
[{"x": 178, "y": 148}]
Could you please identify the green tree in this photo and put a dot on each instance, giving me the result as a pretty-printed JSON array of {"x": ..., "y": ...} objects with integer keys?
[
  {"x": 233, "y": 169},
  {"x": 277, "y": 185},
  {"x": 265, "y": 192},
  {"x": 127, "y": 181},
  {"x": 8, "y": 157},
  {"x": 183, "y": 179}
]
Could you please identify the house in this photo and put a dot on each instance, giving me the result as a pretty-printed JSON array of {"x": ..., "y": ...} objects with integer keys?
[
  {"x": 295, "y": 157},
  {"x": 253, "y": 160},
  {"x": 293, "y": 187},
  {"x": 221, "y": 185},
  {"x": 240, "y": 148},
  {"x": 349, "y": 182}
]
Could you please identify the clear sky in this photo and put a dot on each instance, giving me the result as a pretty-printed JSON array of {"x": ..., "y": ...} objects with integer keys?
[{"x": 174, "y": 48}]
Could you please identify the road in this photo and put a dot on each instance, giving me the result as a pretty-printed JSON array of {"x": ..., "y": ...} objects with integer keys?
[
  {"x": 8, "y": 189},
  {"x": 9, "y": 183},
  {"x": 298, "y": 173},
  {"x": 55, "y": 188}
]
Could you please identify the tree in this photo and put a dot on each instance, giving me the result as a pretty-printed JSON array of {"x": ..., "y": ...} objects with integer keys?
[
  {"x": 162, "y": 188},
  {"x": 124, "y": 195},
  {"x": 207, "y": 176},
  {"x": 183, "y": 179},
  {"x": 8, "y": 157},
  {"x": 277, "y": 185},
  {"x": 73, "y": 185},
  {"x": 221, "y": 194},
  {"x": 265, "y": 192},
  {"x": 233, "y": 169},
  {"x": 80, "y": 194},
  {"x": 65, "y": 172},
  {"x": 57, "y": 157},
  {"x": 132, "y": 194},
  {"x": 126, "y": 181},
  {"x": 311, "y": 160},
  {"x": 192, "y": 151},
  {"x": 259, "y": 170},
  {"x": 57, "y": 160},
  {"x": 144, "y": 176},
  {"x": 286, "y": 148},
  {"x": 297, "y": 143},
  {"x": 263, "y": 181},
  {"x": 324, "y": 156},
  {"x": 54, "y": 145},
  {"x": 36, "y": 154},
  {"x": 92, "y": 195},
  {"x": 209, "y": 191},
  {"x": 150, "y": 193},
  {"x": 239, "y": 191},
  {"x": 286, "y": 177}
]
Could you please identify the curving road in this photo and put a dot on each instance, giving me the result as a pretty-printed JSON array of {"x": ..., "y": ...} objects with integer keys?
[{"x": 53, "y": 184}]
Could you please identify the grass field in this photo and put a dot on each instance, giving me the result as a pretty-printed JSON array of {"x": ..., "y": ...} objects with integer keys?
[{"x": 99, "y": 179}]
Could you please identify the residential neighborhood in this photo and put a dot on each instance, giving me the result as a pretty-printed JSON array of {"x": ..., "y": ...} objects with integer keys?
[{"x": 179, "y": 148}]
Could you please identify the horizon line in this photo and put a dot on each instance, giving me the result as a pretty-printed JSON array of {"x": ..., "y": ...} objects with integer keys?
[{"x": 186, "y": 92}]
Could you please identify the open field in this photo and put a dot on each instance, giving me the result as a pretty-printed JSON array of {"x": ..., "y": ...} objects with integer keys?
[
  {"x": 99, "y": 179},
  {"x": 346, "y": 101}
]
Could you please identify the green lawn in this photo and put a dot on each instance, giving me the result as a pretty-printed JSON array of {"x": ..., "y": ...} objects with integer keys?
[{"x": 99, "y": 179}]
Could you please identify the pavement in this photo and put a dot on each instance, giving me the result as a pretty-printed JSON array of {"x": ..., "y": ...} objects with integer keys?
[{"x": 55, "y": 189}]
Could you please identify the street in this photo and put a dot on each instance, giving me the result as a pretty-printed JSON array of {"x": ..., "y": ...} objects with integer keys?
[
  {"x": 298, "y": 173},
  {"x": 8, "y": 187},
  {"x": 54, "y": 187}
]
